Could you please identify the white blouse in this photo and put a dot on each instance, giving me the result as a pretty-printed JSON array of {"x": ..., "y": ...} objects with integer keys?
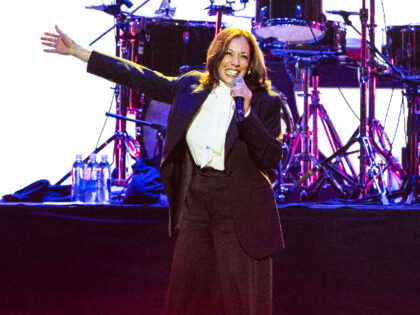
[{"x": 206, "y": 134}]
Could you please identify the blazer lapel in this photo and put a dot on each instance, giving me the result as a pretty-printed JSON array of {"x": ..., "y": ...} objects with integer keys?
[
  {"x": 183, "y": 112},
  {"x": 231, "y": 135}
]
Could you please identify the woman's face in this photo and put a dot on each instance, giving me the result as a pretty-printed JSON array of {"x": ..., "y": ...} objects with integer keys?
[{"x": 236, "y": 60}]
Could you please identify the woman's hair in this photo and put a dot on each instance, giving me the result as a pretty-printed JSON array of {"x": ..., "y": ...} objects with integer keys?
[{"x": 256, "y": 76}]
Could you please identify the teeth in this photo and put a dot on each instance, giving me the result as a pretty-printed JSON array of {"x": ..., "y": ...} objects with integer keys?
[{"x": 232, "y": 72}]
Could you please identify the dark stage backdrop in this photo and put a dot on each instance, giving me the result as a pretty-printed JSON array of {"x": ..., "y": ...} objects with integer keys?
[{"x": 116, "y": 259}]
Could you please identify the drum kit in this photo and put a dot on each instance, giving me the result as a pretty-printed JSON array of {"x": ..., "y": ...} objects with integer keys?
[{"x": 297, "y": 33}]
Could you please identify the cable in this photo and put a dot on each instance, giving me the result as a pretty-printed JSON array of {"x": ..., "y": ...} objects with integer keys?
[
  {"x": 405, "y": 123},
  {"x": 383, "y": 13},
  {"x": 398, "y": 123},
  {"x": 106, "y": 119},
  {"x": 389, "y": 104},
  {"x": 348, "y": 104}
]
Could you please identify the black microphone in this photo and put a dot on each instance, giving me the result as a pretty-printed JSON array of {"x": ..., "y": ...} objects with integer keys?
[
  {"x": 342, "y": 13},
  {"x": 239, "y": 100}
]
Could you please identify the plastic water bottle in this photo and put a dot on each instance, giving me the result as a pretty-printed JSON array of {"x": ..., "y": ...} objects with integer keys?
[
  {"x": 91, "y": 180},
  {"x": 104, "y": 175},
  {"x": 77, "y": 180}
]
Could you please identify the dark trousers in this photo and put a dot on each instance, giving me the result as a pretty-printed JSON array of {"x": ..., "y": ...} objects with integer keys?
[{"x": 210, "y": 269}]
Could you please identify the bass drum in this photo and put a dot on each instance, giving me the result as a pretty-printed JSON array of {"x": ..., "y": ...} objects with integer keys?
[
  {"x": 152, "y": 141},
  {"x": 166, "y": 45}
]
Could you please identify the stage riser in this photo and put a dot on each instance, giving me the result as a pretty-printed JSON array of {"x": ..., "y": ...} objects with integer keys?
[{"x": 116, "y": 260}]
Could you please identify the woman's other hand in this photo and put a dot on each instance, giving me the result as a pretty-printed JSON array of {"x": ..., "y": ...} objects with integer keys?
[{"x": 62, "y": 44}]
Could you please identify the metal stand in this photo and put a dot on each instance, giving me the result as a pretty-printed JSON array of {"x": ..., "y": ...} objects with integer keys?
[
  {"x": 412, "y": 188},
  {"x": 370, "y": 126},
  {"x": 371, "y": 137},
  {"x": 118, "y": 137},
  {"x": 312, "y": 170},
  {"x": 219, "y": 10},
  {"x": 123, "y": 95}
]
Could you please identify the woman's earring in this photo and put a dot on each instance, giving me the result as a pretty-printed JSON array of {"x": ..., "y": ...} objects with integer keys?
[{"x": 249, "y": 72}]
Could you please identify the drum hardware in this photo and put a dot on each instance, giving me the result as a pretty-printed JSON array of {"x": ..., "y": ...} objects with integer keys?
[
  {"x": 313, "y": 171},
  {"x": 161, "y": 128},
  {"x": 130, "y": 145},
  {"x": 370, "y": 127},
  {"x": 165, "y": 9},
  {"x": 372, "y": 138},
  {"x": 115, "y": 11},
  {"x": 287, "y": 125},
  {"x": 348, "y": 187},
  {"x": 123, "y": 143},
  {"x": 219, "y": 10},
  {"x": 136, "y": 147}
]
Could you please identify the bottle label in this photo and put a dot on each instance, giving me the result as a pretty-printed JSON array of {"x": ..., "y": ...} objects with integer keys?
[{"x": 91, "y": 174}]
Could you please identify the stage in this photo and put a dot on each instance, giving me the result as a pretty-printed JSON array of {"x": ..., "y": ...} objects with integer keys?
[{"x": 115, "y": 259}]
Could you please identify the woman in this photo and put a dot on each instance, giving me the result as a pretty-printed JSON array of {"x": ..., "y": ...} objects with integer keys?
[{"x": 222, "y": 207}]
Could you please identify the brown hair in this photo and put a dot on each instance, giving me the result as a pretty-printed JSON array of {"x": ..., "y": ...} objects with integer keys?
[{"x": 257, "y": 73}]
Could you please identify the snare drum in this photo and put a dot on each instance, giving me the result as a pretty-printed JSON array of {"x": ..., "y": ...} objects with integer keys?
[
  {"x": 289, "y": 22},
  {"x": 331, "y": 45}
]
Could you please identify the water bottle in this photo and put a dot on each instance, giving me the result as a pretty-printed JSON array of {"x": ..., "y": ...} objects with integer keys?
[
  {"x": 104, "y": 175},
  {"x": 91, "y": 180},
  {"x": 77, "y": 180}
]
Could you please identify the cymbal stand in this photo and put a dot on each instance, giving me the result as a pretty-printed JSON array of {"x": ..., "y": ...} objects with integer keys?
[
  {"x": 412, "y": 189},
  {"x": 311, "y": 168},
  {"x": 121, "y": 139},
  {"x": 364, "y": 77},
  {"x": 376, "y": 134},
  {"x": 372, "y": 137},
  {"x": 131, "y": 146}
]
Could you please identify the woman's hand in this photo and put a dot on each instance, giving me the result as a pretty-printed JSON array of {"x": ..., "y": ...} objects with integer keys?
[
  {"x": 62, "y": 44},
  {"x": 242, "y": 90}
]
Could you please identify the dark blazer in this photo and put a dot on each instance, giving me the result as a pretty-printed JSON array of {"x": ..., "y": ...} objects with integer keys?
[{"x": 248, "y": 153}]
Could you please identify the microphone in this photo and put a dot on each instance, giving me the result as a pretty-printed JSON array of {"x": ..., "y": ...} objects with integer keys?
[
  {"x": 343, "y": 13},
  {"x": 239, "y": 100}
]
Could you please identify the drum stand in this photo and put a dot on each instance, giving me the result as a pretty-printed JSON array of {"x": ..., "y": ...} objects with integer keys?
[
  {"x": 411, "y": 188},
  {"x": 219, "y": 10},
  {"x": 130, "y": 145},
  {"x": 370, "y": 135},
  {"x": 314, "y": 172},
  {"x": 121, "y": 139},
  {"x": 370, "y": 128}
]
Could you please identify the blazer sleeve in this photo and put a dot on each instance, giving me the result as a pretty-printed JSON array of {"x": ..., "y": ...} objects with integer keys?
[
  {"x": 121, "y": 71},
  {"x": 261, "y": 131}
]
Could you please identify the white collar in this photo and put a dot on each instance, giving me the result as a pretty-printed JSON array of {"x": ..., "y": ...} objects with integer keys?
[{"x": 221, "y": 89}]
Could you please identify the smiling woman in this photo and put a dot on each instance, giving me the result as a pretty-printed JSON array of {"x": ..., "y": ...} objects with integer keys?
[
  {"x": 222, "y": 206},
  {"x": 235, "y": 61}
]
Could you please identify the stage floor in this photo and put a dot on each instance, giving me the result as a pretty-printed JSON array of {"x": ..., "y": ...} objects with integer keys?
[{"x": 93, "y": 259}]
